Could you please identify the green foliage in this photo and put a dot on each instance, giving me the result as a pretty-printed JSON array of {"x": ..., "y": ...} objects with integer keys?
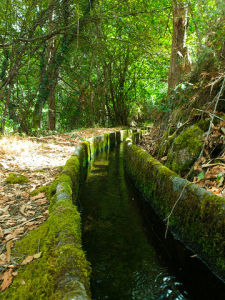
[{"x": 108, "y": 70}]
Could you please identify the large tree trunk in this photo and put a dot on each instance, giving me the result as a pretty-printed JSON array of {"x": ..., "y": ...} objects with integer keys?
[{"x": 179, "y": 50}]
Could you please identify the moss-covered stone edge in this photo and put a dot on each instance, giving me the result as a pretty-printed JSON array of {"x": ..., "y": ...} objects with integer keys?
[
  {"x": 62, "y": 271},
  {"x": 198, "y": 219}
]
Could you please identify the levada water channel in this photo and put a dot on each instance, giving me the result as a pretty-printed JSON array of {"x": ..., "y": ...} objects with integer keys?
[{"x": 125, "y": 243}]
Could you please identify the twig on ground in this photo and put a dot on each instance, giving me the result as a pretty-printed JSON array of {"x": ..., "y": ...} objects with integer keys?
[{"x": 27, "y": 222}]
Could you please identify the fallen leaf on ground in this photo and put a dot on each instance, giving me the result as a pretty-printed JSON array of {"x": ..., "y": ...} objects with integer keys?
[
  {"x": 1, "y": 233},
  {"x": 8, "y": 249},
  {"x": 22, "y": 210},
  {"x": 9, "y": 237},
  {"x": 15, "y": 273},
  {"x": 3, "y": 259},
  {"x": 201, "y": 176},
  {"x": 7, "y": 279},
  {"x": 31, "y": 212},
  {"x": 197, "y": 167},
  {"x": 38, "y": 255},
  {"x": 32, "y": 227},
  {"x": 39, "y": 196},
  {"x": 42, "y": 201},
  {"x": 19, "y": 230},
  {"x": 27, "y": 260}
]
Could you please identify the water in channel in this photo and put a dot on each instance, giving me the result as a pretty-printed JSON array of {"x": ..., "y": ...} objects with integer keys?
[{"x": 127, "y": 256}]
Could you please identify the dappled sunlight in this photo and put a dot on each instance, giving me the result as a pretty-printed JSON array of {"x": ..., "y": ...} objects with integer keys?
[{"x": 12, "y": 145}]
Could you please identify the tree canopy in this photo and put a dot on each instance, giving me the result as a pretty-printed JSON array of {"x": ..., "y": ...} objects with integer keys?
[{"x": 66, "y": 63}]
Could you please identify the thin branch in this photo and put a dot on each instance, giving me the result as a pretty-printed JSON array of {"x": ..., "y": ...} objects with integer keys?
[
  {"x": 207, "y": 112},
  {"x": 168, "y": 218},
  {"x": 129, "y": 14},
  {"x": 212, "y": 117}
]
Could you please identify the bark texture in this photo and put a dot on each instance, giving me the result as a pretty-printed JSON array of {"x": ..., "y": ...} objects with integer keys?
[{"x": 179, "y": 51}]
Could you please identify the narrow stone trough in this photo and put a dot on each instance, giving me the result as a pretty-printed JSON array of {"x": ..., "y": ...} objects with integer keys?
[
  {"x": 194, "y": 215},
  {"x": 62, "y": 272}
]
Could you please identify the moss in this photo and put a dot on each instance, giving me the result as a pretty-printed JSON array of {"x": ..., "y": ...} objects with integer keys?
[
  {"x": 44, "y": 189},
  {"x": 185, "y": 149},
  {"x": 14, "y": 178},
  {"x": 189, "y": 139},
  {"x": 204, "y": 124},
  {"x": 60, "y": 244},
  {"x": 87, "y": 153},
  {"x": 168, "y": 140},
  {"x": 198, "y": 219},
  {"x": 40, "y": 171},
  {"x": 62, "y": 256},
  {"x": 36, "y": 122},
  {"x": 135, "y": 137},
  {"x": 41, "y": 274}
]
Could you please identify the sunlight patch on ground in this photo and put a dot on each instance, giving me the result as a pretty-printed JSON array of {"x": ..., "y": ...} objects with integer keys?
[{"x": 11, "y": 145}]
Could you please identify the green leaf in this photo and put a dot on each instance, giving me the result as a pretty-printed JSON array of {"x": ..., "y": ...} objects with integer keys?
[
  {"x": 219, "y": 176},
  {"x": 201, "y": 176},
  {"x": 219, "y": 46}
]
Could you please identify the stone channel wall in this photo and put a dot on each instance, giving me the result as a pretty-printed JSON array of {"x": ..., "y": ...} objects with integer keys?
[
  {"x": 196, "y": 216},
  {"x": 62, "y": 271},
  {"x": 74, "y": 168}
]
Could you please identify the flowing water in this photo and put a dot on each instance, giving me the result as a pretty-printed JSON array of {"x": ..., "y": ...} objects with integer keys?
[{"x": 124, "y": 242}]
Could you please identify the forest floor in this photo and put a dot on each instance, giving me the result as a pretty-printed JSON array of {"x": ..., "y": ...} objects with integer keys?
[
  {"x": 40, "y": 159},
  {"x": 209, "y": 169}
]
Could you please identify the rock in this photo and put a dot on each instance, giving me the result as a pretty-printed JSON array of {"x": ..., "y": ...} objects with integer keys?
[{"x": 185, "y": 149}]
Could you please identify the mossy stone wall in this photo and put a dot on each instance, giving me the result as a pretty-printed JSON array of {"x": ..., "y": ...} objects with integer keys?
[
  {"x": 62, "y": 272},
  {"x": 198, "y": 219}
]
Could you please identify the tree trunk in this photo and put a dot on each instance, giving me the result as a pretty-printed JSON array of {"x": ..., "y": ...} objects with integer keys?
[
  {"x": 51, "y": 110},
  {"x": 6, "y": 106},
  {"x": 51, "y": 54},
  {"x": 179, "y": 50}
]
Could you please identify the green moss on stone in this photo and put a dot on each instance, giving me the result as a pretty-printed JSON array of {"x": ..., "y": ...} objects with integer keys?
[
  {"x": 189, "y": 139},
  {"x": 62, "y": 259},
  {"x": 185, "y": 149},
  {"x": 14, "y": 178},
  {"x": 198, "y": 218},
  {"x": 55, "y": 237},
  {"x": 204, "y": 124}
]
